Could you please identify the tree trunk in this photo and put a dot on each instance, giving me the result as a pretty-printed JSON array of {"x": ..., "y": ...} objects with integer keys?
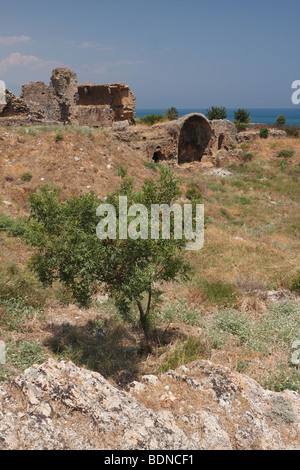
[{"x": 143, "y": 319}]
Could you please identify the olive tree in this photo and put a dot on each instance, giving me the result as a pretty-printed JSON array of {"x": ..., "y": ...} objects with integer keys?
[{"x": 69, "y": 250}]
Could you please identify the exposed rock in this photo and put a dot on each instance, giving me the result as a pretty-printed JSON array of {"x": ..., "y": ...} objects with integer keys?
[
  {"x": 219, "y": 172},
  {"x": 60, "y": 406}
]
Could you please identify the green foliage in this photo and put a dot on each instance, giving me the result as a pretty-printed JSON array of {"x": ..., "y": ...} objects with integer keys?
[
  {"x": 286, "y": 153},
  {"x": 26, "y": 177},
  {"x": 184, "y": 353},
  {"x": 24, "y": 354},
  {"x": 296, "y": 283},
  {"x": 152, "y": 166},
  {"x": 58, "y": 137},
  {"x": 121, "y": 171},
  {"x": 245, "y": 201},
  {"x": 194, "y": 194},
  {"x": 248, "y": 156},
  {"x": 292, "y": 131},
  {"x": 152, "y": 119},
  {"x": 283, "y": 378},
  {"x": 219, "y": 292},
  {"x": 242, "y": 116},
  {"x": 20, "y": 284},
  {"x": 17, "y": 311},
  {"x": 70, "y": 251},
  {"x": 216, "y": 112},
  {"x": 13, "y": 227},
  {"x": 171, "y": 114},
  {"x": 281, "y": 120},
  {"x": 264, "y": 133}
]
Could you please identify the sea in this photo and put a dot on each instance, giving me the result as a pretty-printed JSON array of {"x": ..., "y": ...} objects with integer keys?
[{"x": 258, "y": 115}]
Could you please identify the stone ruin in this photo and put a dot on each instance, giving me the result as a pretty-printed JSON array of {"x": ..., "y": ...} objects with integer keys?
[
  {"x": 66, "y": 102},
  {"x": 192, "y": 138}
]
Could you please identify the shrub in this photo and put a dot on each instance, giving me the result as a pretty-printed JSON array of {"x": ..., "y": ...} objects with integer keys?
[
  {"x": 219, "y": 292},
  {"x": 171, "y": 114},
  {"x": 26, "y": 177},
  {"x": 292, "y": 131},
  {"x": 281, "y": 120},
  {"x": 184, "y": 353},
  {"x": 248, "y": 157},
  {"x": 58, "y": 137},
  {"x": 13, "y": 227},
  {"x": 216, "y": 112},
  {"x": 264, "y": 133},
  {"x": 152, "y": 119},
  {"x": 286, "y": 153},
  {"x": 241, "y": 116},
  {"x": 194, "y": 194}
]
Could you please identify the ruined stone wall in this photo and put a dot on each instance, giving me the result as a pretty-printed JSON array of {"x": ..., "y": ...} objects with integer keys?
[
  {"x": 14, "y": 106},
  {"x": 191, "y": 138},
  {"x": 55, "y": 102},
  {"x": 105, "y": 104},
  {"x": 63, "y": 101}
]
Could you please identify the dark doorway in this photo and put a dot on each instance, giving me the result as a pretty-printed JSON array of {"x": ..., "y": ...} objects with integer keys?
[
  {"x": 220, "y": 141},
  {"x": 194, "y": 138}
]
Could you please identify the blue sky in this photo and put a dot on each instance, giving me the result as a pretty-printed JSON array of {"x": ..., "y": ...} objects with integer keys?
[{"x": 171, "y": 53}]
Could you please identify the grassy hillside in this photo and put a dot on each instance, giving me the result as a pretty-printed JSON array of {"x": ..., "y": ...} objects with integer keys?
[{"x": 225, "y": 313}]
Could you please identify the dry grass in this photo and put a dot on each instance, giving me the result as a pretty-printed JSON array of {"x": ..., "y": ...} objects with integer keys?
[{"x": 252, "y": 241}]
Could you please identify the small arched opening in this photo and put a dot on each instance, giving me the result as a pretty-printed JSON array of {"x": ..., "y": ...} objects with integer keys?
[
  {"x": 158, "y": 155},
  {"x": 194, "y": 138}
]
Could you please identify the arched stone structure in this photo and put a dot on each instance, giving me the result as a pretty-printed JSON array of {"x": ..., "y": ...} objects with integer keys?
[{"x": 194, "y": 138}]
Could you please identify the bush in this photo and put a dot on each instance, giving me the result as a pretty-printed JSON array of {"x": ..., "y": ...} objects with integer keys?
[
  {"x": 194, "y": 194},
  {"x": 292, "y": 131},
  {"x": 152, "y": 119},
  {"x": 171, "y": 114},
  {"x": 216, "y": 112},
  {"x": 13, "y": 227},
  {"x": 26, "y": 177},
  {"x": 248, "y": 157},
  {"x": 58, "y": 137},
  {"x": 242, "y": 116},
  {"x": 264, "y": 133},
  {"x": 281, "y": 120},
  {"x": 286, "y": 153}
]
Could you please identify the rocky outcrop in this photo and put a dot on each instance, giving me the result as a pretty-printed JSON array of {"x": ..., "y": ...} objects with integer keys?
[{"x": 200, "y": 406}]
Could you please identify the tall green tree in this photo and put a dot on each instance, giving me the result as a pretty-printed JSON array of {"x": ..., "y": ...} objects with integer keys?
[
  {"x": 281, "y": 120},
  {"x": 171, "y": 114},
  {"x": 242, "y": 116},
  {"x": 68, "y": 249},
  {"x": 216, "y": 112}
]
